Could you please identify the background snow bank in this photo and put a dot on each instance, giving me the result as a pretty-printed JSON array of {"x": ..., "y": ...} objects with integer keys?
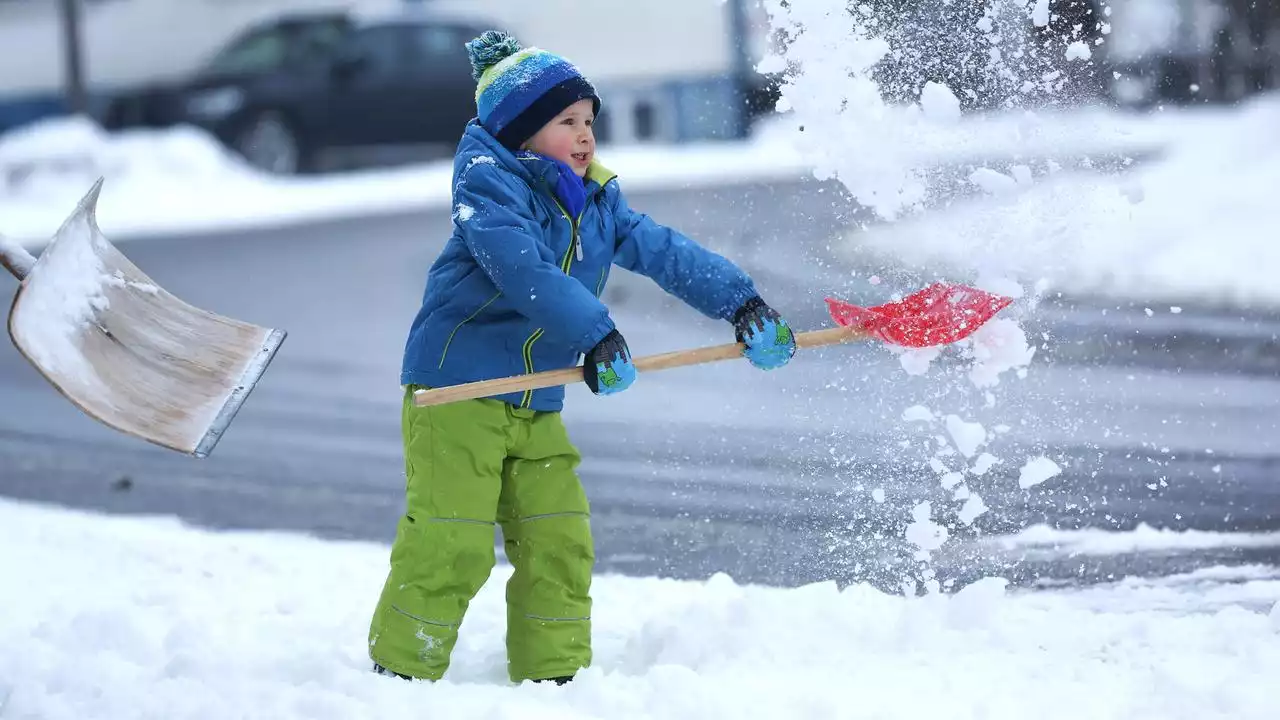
[
  {"x": 182, "y": 180},
  {"x": 131, "y": 618},
  {"x": 1196, "y": 225}
]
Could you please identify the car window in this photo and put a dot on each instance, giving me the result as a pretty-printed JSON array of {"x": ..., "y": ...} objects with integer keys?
[
  {"x": 257, "y": 51},
  {"x": 318, "y": 41},
  {"x": 382, "y": 48},
  {"x": 271, "y": 48},
  {"x": 436, "y": 44}
]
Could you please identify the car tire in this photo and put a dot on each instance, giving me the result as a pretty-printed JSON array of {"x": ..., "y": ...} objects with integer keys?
[{"x": 269, "y": 142}]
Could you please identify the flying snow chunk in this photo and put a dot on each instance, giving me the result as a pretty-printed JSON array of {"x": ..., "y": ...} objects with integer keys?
[
  {"x": 1133, "y": 192},
  {"x": 973, "y": 507},
  {"x": 939, "y": 103},
  {"x": 992, "y": 181},
  {"x": 464, "y": 212},
  {"x": 917, "y": 413},
  {"x": 984, "y": 463},
  {"x": 1036, "y": 471},
  {"x": 967, "y": 436},
  {"x": 997, "y": 347},
  {"x": 1040, "y": 13},
  {"x": 923, "y": 532},
  {"x": 1078, "y": 51},
  {"x": 916, "y": 361}
]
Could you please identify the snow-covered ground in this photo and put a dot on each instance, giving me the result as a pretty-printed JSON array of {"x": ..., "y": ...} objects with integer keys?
[{"x": 145, "y": 618}]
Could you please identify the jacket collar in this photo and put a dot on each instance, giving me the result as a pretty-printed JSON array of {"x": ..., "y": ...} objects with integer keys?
[{"x": 541, "y": 173}]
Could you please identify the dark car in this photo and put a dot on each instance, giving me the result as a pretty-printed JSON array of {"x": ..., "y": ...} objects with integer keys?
[{"x": 310, "y": 92}]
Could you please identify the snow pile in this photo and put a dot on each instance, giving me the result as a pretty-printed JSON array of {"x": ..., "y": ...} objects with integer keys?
[
  {"x": 138, "y": 618},
  {"x": 182, "y": 180},
  {"x": 1143, "y": 538},
  {"x": 1197, "y": 225}
]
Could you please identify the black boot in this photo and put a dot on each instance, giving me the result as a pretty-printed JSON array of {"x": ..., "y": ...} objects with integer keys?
[
  {"x": 557, "y": 680},
  {"x": 383, "y": 671}
]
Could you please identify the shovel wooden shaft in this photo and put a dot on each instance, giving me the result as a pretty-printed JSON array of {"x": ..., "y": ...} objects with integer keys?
[
  {"x": 647, "y": 363},
  {"x": 16, "y": 258}
]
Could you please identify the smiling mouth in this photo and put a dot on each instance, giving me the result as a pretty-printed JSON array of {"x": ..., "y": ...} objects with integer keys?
[{"x": 581, "y": 157}]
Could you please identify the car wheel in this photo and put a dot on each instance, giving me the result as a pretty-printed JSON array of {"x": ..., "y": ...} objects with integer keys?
[{"x": 270, "y": 144}]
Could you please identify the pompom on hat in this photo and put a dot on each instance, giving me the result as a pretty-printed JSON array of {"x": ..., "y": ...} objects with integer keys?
[{"x": 518, "y": 90}]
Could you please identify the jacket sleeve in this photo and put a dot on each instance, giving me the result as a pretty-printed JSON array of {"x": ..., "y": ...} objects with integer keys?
[
  {"x": 498, "y": 228},
  {"x": 701, "y": 278}
]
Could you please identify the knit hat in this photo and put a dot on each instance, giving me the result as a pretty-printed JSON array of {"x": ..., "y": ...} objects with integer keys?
[{"x": 518, "y": 90}]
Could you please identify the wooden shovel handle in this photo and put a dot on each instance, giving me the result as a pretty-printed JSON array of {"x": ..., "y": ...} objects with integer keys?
[{"x": 648, "y": 363}]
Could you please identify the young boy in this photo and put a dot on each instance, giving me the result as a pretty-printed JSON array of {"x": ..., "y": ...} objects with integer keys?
[{"x": 537, "y": 225}]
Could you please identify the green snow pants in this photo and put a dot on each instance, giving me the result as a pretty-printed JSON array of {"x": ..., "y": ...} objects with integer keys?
[{"x": 468, "y": 466}]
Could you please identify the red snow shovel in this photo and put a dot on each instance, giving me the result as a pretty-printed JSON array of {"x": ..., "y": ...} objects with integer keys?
[
  {"x": 937, "y": 315},
  {"x": 124, "y": 351}
]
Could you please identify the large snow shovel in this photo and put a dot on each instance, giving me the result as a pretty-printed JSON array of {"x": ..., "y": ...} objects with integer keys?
[
  {"x": 937, "y": 315},
  {"x": 123, "y": 350}
]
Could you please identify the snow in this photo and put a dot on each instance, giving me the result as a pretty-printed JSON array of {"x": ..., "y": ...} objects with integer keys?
[
  {"x": 17, "y": 255},
  {"x": 147, "y": 618},
  {"x": 1093, "y": 542},
  {"x": 923, "y": 532},
  {"x": 1078, "y": 50},
  {"x": 985, "y": 462},
  {"x": 52, "y": 314},
  {"x": 1037, "y": 470},
  {"x": 939, "y": 103},
  {"x": 997, "y": 347},
  {"x": 992, "y": 181},
  {"x": 463, "y": 212},
  {"x": 1040, "y": 13},
  {"x": 1191, "y": 226},
  {"x": 1184, "y": 215},
  {"x": 181, "y": 180},
  {"x": 973, "y": 507},
  {"x": 967, "y": 436}
]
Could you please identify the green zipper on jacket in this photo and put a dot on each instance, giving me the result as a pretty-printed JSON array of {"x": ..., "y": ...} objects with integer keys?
[
  {"x": 458, "y": 327},
  {"x": 565, "y": 265}
]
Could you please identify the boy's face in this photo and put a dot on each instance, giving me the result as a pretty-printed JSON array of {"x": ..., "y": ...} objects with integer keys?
[{"x": 569, "y": 137}]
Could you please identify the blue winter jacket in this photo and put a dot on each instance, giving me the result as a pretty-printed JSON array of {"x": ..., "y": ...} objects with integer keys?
[{"x": 516, "y": 288}]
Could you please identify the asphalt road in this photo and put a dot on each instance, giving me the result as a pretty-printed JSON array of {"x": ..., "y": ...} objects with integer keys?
[{"x": 1168, "y": 420}]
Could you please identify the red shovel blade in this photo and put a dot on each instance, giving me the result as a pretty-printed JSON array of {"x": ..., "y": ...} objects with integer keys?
[{"x": 937, "y": 315}]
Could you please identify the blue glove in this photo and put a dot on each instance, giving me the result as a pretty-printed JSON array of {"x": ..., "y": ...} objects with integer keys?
[
  {"x": 607, "y": 367},
  {"x": 769, "y": 340}
]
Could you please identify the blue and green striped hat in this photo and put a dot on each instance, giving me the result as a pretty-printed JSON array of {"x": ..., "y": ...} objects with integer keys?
[{"x": 519, "y": 89}]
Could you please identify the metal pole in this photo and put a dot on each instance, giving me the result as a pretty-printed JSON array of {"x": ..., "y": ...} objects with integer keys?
[
  {"x": 73, "y": 58},
  {"x": 741, "y": 63}
]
